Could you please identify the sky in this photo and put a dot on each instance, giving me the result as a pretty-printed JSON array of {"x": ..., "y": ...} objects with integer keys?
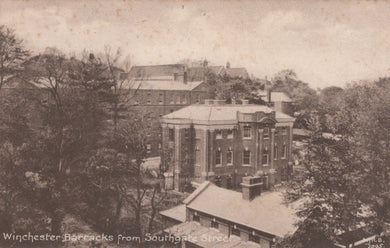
[{"x": 325, "y": 42}]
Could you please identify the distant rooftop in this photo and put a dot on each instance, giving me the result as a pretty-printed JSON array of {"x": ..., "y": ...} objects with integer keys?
[
  {"x": 160, "y": 85},
  {"x": 266, "y": 213},
  {"x": 221, "y": 112},
  {"x": 155, "y": 71},
  {"x": 236, "y": 72}
]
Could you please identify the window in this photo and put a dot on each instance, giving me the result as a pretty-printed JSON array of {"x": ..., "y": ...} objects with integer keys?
[
  {"x": 186, "y": 133},
  {"x": 148, "y": 148},
  {"x": 196, "y": 217},
  {"x": 177, "y": 99},
  {"x": 160, "y": 101},
  {"x": 275, "y": 152},
  {"x": 149, "y": 101},
  {"x": 218, "y": 157},
  {"x": 247, "y": 157},
  {"x": 265, "y": 158},
  {"x": 266, "y": 132},
  {"x": 230, "y": 134},
  {"x": 247, "y": 131},
  {"x": 214, "y": 224},
  {"x": 171, "y": 134},
  {"x": 218, "y": 134},
  {"x": 235, "y": 231},
  {"x": 229, "y": 157},
  {"x": 284, "y": 151},
  {"x": 284, "y": 131},
  {"x": 254, "y": 238}
]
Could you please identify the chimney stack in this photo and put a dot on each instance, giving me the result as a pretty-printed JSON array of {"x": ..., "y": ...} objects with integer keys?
[{"x": 251, "y": 187}]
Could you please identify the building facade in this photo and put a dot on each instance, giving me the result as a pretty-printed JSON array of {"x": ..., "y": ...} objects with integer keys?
[
  {"x": 154, "y": 91},
  {"x": 224, "y": 143}
]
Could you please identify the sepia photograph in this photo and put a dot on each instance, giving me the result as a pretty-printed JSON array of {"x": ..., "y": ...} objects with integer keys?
[{"x": 194, "y": 123}]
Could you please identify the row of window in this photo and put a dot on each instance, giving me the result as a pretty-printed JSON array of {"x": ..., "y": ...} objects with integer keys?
[
  {"x": 247, "y": 156},
  {"x": 233, "y": 231},
  {"x": 173, "y": 100},
  {"x": 266, "y": 132},
  {"x": 229, "y": 135}
]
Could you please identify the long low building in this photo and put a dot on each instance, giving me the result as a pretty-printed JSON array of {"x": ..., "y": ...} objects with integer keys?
[
  {"x": 224, "y": 142},
  {"x": 216, "y": 217}
]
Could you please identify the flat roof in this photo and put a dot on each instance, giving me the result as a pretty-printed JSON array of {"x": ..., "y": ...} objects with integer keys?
[{"x": 222, "y": 112}]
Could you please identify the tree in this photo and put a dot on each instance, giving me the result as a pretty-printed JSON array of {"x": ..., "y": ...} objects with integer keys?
[
  {"x": 305, "y": 98},
  {"x": 12, "y": 55},
  {"x": 72, "y": 118},
  {"x": 346, "y": 182}
]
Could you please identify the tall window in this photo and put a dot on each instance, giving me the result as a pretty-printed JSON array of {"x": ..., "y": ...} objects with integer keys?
[
  {"x": 218, "y": 157},
  {"x": 186, "y": 133},
  {"x": 229, "y": 157},
  {"x": 149, "y": 101},
  {"x": 247, "y": 157},
  {"x": 230, "y": 134},
  {"x": 284, "y": 131},
  {"x": 218, "y": 134},
  {"x": 160, "y": 101},
  {"x": 266, "y": 132},
  {"x": 171, "y": 134},
  {"x": 265, "y": 158},
  {"x": 247, "y": 131},
  {"x": 275, "y": 152},
  {"x": 284, "y": 151}
]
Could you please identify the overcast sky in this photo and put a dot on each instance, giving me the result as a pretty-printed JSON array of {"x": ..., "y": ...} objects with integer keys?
[{"x": 324, "y": 42}]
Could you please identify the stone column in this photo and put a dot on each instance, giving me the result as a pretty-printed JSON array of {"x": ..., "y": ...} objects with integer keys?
[
  {"x": 204, "y": 155},
  {"x": 211, "y": 155},
  {"x": 177, "y": 156},
  {"x": 272, "y": 149}
]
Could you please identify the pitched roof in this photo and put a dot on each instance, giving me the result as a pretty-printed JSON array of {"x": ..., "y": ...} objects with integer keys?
[
  {"x": 224, "y": 112},
  {"x": 160, "y": 85},
  {"x": 199, "y": 72},
  {"x": 177, "y": 213},
  {"x": 152, "y": 71},
  {"x": 236, "y": 72},
  {"x": 265, "y": 213}
]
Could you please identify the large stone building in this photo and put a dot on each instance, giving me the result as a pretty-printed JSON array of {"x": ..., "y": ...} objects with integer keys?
[
  {"x": 225, "y": 142},
  {"x": 156, "y": 91}
]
